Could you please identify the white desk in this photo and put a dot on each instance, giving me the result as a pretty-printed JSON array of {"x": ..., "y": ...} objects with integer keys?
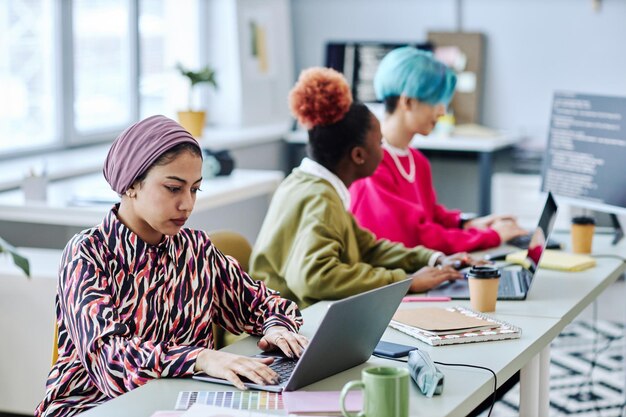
[
  {"x": 484, "y": 147},
  {"x": 73, "y": 202},
  {"x": 58, "y": 164},
  {"x": 563, "y": 296},
  {"x": 464, "y": 390},
  {"x": 89, "y": 159},
  {"x": 555, "y": 299},
  {"x": 68, "y": 204}
]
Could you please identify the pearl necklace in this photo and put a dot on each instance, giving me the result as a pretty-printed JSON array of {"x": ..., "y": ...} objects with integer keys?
[{"x": 393, "y": 151}]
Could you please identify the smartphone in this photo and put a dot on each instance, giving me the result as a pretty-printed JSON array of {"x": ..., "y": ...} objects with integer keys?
[{"x": 392, "y": 350}]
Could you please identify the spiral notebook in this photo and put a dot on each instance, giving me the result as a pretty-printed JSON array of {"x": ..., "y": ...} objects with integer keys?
[{"x": 453, "y": 325}]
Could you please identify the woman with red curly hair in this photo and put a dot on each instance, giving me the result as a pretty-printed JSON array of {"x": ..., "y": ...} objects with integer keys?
[{"x": 310, "y": 247}]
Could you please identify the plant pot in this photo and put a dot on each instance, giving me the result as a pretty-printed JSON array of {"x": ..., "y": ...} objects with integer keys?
[{"x": 193, "y": 121}]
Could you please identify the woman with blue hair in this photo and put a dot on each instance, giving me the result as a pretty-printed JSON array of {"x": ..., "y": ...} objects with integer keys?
[{"x": 399, "y": 202}]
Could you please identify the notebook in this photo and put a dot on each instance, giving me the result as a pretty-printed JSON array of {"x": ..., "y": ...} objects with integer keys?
[
  {"x": 554, "y": 259},
  {"x": 202, "y": 410},
  {"x": 442, "y": 321},
  {"x": 346, "y": 337},
  {"x": 514, "y": 283},
  {"x": 476, "y": 327}
]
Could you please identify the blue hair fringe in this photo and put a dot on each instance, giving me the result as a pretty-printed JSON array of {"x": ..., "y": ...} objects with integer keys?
[{"x": 415, "y": 74}]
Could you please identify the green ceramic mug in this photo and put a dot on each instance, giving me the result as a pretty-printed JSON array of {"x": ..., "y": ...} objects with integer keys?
[{"x": 385, "y": 392}]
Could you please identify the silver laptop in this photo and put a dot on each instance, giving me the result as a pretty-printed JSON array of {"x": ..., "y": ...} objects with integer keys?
[
  {"x": 514, "y": 283},
  {"x": 346, "y": 337}
]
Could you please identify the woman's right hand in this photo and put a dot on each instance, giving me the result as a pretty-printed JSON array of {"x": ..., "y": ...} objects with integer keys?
[
  {"x": 429, "y": 277},
  {"x": 507, "y": 229},
  {"x": 229, "y": 366}
]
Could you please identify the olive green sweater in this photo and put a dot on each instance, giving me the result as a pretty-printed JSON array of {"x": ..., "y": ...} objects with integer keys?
[{"x": 310, "y": 248}]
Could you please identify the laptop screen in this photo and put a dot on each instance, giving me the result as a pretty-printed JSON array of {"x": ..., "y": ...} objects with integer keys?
[{"x": 539, "y": 238}]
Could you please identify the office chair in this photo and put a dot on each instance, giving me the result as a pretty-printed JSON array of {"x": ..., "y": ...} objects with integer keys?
[
  {"x": 55, "y": 345},
  {"x": 235, "y": 245}
]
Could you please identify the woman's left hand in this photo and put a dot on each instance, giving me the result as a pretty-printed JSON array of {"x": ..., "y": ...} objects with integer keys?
[{"x": 278, "y": 337}]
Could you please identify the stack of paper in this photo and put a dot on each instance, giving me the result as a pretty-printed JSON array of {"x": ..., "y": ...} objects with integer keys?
[
  {"x": 203, "y": 410},
  {"x": 320, "y": 402},
  {"x": 439, "y": 326}
]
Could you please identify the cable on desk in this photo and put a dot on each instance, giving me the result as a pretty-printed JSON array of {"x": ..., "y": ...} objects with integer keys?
[
  {"x": 495, "y": 378},
  {"x": 607, "y": 255}
]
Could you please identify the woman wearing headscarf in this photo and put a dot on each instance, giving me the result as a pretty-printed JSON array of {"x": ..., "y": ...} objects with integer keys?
[
  {"x": 138, "y": 294},
  {"x": 310, "y": 247},
  {"x": 398, "y": 202}
]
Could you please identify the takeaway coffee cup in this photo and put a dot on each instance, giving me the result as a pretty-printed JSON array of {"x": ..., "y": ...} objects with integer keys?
[
  {"x": 582, "y": 231},
  {"x": 385, "y": 392},
  {"x": 483, "y": 287}
]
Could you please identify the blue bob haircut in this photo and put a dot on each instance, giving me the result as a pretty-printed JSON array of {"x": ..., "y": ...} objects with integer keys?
[{"x": 415, "y": 74}]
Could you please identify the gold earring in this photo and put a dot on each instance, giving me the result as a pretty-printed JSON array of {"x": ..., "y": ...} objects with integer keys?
[{"x": 130, "y": 195}]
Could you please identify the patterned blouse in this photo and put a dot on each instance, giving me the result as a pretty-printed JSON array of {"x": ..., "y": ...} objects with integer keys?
[{"x": 129, "y": 312}]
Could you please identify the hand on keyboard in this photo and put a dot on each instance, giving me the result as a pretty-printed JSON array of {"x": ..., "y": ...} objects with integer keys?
[
  {"x": 279, "y": 337},
  {"x": 232, "y": 367},
  {"x": 508, "y": 230}
]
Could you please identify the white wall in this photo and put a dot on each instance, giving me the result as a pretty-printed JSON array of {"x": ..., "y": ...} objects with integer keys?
[
  {"x": 533, "y": 46},
  {"x": 249, "y": 95}
]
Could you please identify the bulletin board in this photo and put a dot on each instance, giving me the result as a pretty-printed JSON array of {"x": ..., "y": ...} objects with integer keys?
[{"x": 467, "y": 100}]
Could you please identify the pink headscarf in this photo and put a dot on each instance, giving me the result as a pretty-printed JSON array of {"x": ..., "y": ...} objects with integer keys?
[{"x": 136, "y": 149}]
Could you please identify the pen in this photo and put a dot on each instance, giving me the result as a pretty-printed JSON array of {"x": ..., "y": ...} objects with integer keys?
[{"x": 416, "y": 298}]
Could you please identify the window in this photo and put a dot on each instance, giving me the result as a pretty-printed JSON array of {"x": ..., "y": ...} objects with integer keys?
[
  {"x": 168, "y": 33},
  {"x": 27, "y": 75},
  {"x": 102, "y": 65},
  {"x": 79, "y": 71}
]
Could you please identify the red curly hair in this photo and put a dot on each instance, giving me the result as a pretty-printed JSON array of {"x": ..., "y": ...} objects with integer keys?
[{"x": 320, "y": 97}]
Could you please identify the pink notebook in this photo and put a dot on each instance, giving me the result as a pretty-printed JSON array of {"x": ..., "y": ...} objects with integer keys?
[{"x": 320, "y": 401}]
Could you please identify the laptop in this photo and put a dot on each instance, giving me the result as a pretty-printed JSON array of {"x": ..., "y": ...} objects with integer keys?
[
  {"x": 514, "y": 283},
  {"x": 346, "y": 337}
]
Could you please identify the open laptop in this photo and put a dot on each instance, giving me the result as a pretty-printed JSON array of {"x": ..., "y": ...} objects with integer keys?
[
  {"x": 346, "y": 337},
  {"x": 515, "y": 283}
]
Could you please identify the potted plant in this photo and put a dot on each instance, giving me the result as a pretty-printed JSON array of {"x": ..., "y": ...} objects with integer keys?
[
  {"x": 192, "y": 120},
  {"x": 18, "y": 259}
]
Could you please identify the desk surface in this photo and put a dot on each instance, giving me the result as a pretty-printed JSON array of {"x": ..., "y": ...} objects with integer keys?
[
  {"x": 89, "y": 159},
  {"x": 465, "y": 388},
  {"x": 564, "y": 295},
  {"x": 555, "y": 299},
  {"x": 58, "y": 164},
  {"x": 452, "y": 143},
  {"x": 83, "y": 201}
]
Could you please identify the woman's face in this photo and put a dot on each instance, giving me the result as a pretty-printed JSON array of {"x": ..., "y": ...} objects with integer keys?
[
  {"x": 373, "y": 149},
  {"x": 421, "y": 117},
  {"x": 164, "y": 200}
]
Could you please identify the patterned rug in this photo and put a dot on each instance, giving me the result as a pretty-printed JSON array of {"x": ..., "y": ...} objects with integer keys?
[{"x": 586, "y": 373}]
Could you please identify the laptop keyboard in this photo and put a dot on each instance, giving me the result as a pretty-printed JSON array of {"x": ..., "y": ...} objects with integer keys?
[
  {"x": 522, "y": 242},
  {"x": 506, "y": 286},
  {"x": 284, "y": 368}
]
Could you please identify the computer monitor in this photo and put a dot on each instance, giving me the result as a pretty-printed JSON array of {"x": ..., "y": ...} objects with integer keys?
[
  {"x": 358, "y": 62},
  {"x": 585, "y": 161}
]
